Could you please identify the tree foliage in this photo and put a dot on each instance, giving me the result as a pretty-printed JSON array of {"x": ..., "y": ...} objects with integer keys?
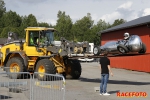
[
  {"x": 11, "y": 19},
  {"x": 43, "y": 24},
  {"x": 81, "y": 30},
  {"x": 101, "y": 25},
  {"x": 31, "y": 21},
  {"x": 64, "y": 24},
  {"x": 5, "y": 31},
  {"x": 118, "y": 22},
  {"x": 2, "y": 8},
  {"x": 2, "y": 11}
]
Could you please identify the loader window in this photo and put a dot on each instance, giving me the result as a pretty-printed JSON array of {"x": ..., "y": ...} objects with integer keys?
[
  {"x": 33, "y": 36},
  {"x": 41, "y": 38},
  {"x": 50, "y": 36}
]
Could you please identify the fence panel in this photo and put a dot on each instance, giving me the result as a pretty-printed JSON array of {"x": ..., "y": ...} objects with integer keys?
[
  {"x": 51, "y": 87},
  {"x": 15, "y": 89},
  {"x": 31, "y": 87}
]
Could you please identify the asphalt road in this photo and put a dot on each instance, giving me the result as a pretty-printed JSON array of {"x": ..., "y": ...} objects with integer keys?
[{"x": 123, "y": 81}]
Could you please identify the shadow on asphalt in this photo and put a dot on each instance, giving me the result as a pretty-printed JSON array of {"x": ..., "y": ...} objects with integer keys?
[
  {"x": 4, "y": 97},
  {"x": 115, "y": 81},
  {"x": 114, "y": 92}
]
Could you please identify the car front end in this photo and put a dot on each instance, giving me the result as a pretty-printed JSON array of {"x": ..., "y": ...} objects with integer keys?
[{"x": 135, "y": 43}]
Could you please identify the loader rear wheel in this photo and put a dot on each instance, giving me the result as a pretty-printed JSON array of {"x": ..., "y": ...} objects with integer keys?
[
  {"x": 75, "y": 68},
  {"x": 15, "y": 65},
  {"x": 44, "y": 67}
]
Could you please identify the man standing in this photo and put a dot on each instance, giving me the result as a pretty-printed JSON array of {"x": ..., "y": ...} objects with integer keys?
[{"x": 105, "y": 70}]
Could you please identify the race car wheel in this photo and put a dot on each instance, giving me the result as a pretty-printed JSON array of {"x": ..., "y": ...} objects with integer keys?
[
  {"x": 96, "y": 50},
  {"x": 122, "y": 49},
  {"x": 143, "y": 50}
]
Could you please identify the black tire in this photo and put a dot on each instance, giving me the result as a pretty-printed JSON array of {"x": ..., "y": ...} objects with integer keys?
[
  {"x": 75, "y": 68},
  {"x": 16, "y": 65},
  {"x": 122, "y": 49},
  {"x": 45, "y": 66},
  {"x": 143, "y": 50},
  {"x": 96, "y": 50}
]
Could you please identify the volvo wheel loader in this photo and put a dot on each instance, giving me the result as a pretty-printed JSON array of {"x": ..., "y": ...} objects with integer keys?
[{"x": 30, "y": 55}]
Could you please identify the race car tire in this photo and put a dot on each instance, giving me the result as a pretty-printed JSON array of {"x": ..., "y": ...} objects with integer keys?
[
  {"x": 96, "y": 50},
  {"x": 122, "y": 49},
  {"x": 143, "y": 50}
]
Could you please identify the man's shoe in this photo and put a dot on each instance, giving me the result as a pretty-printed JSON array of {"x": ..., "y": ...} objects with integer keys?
[
  {"x": 101, "y": 94},
  {"x": 106, "y": 94}
]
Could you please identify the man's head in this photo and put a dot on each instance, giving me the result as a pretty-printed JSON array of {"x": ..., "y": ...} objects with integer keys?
[
  {"x": 126, "y": 35},
  {"x": 105, "y": 53}
]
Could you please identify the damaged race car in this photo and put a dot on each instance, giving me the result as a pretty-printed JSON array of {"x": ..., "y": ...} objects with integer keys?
[{"x": 133, "y": 44}]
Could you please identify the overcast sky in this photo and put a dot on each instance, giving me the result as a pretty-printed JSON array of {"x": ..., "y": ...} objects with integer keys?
[{"x": 108, "y": 10}]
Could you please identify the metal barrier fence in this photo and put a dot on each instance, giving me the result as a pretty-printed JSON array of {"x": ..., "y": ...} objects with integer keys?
[
  {"x": 15, "y": 89},
  {"x": 50, "y": 88},
  {"x": 31, "y": 87}
]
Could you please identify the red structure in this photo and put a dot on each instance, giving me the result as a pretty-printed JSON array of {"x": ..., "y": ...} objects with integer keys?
[{"x": 141, "y": 27}]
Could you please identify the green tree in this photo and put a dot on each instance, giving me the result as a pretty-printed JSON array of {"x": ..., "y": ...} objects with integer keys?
[
  {"x": 2, "y": 11},
  {"x": 24, "y": 25},
  {"x": 81, "y": 28},
  {"x": 96, "y": 29},
  {"x": 11, "y": 19},
  {"x": 102, "y": 25},
  {"x": 5, "y": 31},
  {"x": 94, "y": 35},
  {"x": 43, "y": 24},
  {"x": 2, "y": 8},
  {"x": 64, "y": 25},
  {"x": 118, "y": 22},
  {"x": 31, "y": 21}
]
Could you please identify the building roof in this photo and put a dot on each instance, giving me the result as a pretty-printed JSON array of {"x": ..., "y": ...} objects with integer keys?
[{"x": 132, "y": 23}]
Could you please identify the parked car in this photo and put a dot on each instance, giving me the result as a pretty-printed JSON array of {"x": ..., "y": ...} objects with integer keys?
[{"x": 133, "y": 44}]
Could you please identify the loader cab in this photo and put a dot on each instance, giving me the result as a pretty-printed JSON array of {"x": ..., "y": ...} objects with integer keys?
[
  {"x": 38, "y": 37},
  {"x": 35, "y": 37}
]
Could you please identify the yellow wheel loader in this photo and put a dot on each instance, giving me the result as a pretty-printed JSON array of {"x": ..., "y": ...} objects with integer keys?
[{"x": 38, "y": 53}]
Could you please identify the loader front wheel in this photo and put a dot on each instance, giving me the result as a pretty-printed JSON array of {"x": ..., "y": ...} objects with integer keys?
[
  {"x": 15, "y": 65},
  {"x": 75, "y": 67},
  {"x": 45, "y": 67}
]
